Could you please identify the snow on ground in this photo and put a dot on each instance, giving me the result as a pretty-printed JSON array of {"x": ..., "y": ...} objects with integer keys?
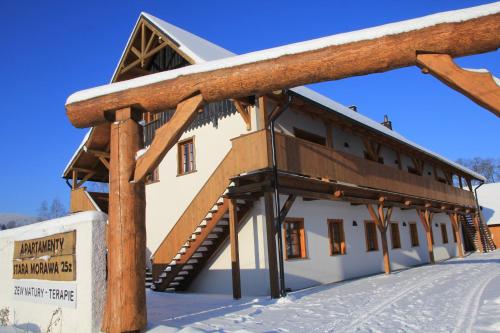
[{"x": 458, "y": 295}]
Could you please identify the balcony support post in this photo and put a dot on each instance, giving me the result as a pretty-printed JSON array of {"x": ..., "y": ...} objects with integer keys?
[
  {"x": 425, "y": 216},
  {"x": 456, "y": 229},
  {"x": 382, "y": 220},
  {"x": 235, "y": 256}
]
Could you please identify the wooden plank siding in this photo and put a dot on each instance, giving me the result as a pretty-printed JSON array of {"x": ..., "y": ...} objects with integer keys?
[
  {"x": 80, "y": 201},
  {"x": 302, "y": 157}
]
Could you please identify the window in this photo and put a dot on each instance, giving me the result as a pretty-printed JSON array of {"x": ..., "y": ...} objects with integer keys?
[
  {"x": 301, "y": 134},
  {"x": 395, "y": 239},
  {"x": 153, "y": 177},
  {"x": 444, "y": 234},
  {"x": 414, "y": 234},
  {"x": 371, "y": 236},
  {"x": 295, "y": 243},
  {"x": 186, "y": 159},
  {"x": 336, "y": 235}
]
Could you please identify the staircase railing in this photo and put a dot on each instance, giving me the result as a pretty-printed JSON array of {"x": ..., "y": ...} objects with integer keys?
[{"x": 237, "y": 161}]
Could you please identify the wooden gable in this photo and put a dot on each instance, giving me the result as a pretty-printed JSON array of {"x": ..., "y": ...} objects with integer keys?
[{"x": 149, "y": 50}]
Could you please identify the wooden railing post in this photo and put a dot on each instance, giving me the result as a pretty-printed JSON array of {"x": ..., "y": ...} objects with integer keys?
[
  {"x": 235, "y": 257},
  {"x": 125, "y": 308},
  {"x": 271, "y": 245}
]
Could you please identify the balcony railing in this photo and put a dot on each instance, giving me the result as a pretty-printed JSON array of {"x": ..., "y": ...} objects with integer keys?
[{"x": 302, "y": 157}]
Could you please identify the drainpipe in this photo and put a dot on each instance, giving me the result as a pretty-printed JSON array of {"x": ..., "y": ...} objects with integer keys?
[{"x": 278, "y": 222}]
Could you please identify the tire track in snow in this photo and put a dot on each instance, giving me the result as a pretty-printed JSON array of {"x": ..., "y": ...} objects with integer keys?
[
  {"x": 468, "y": 313},
  {"x": 388, "y": 302}
]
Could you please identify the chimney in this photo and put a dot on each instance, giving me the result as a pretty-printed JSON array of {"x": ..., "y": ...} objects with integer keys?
[
  {"x": 353, "y": 108},
  {"x": 387, "y": 123}
]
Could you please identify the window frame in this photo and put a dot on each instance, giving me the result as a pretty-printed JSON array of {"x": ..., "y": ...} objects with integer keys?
[
  {"x": 392, "y": 235},
  {"x": 331, "y": 223},
  {"x": 180, "y": 156},
  {"x": 416, "y": 234},
  {"x": 375, "y": 243},
  {"x": 302, "y": 238},
  {"x": 444, "y": 233}
]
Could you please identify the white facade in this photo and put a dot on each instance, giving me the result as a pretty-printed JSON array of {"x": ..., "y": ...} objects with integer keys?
[{"x": 167, "y": 199}]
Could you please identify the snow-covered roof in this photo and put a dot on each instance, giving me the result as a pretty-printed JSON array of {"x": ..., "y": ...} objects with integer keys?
[
  {"x": 273, "y": 53},
  {"x": 209, "y": 56},
  {"x": 488, "y": 196}
]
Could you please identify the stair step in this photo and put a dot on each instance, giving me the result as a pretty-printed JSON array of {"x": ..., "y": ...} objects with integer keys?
[
  {"x": 163, "y": 274},
  {"x": 197, "y": 231},
  {"x": 183, "y": 273},
  {"x": 187, "y": 267},
  {"x": 202, "y": 249},
  {"x": 170, "y": 289},
  {"x": 212, "y": 236},
  {"x": 178, "y": 278},
  {"x": 240, "y": 201},
  {"x": 153, "y": 287},
  {"x": 207, "y": 243},
  {"x": 203, "y": 224},
  {"x": 174, "y": 284},
  {"x": 218, "y": 229},
  {"x": 192, "y": 261},
  {"x": 186, "y": 245},
  {"x": 197, "y": 255},
  {"x": 223, "y": 222}
]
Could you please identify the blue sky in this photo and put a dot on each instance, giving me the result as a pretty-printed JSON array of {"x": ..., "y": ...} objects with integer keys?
[{"x": 51, "y": 49}]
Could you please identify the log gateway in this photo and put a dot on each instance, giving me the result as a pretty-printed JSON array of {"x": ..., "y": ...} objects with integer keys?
[{"x": 250, "y": 83}]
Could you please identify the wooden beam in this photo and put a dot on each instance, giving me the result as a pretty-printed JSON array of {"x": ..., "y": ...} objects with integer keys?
[
  {"x": 167, "y": 136},
  {"x": 104, "y": 161},
  {"x": 456, "y": 229},
  {"x": 125, "y": 308},
  {"x": 271, "y": 246},
  {"x": 287, "y": 206},
  {"x": 426, "y": 219},
  {"x": 84, "y": 179},
  {"x": 325, "y": 63},
  {"x": 243, "y": 113},
  {"x": 480, "y": 87},
  {"x": 235, "y": 257}
]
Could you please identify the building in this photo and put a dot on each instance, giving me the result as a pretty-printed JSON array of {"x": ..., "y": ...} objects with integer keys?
[
  {"x": 488, "y": 197},
  {"x": 343, "y": 180}
]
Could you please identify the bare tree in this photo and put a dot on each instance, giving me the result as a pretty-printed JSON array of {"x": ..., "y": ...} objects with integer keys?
[
  {"x": 56, "y": 210},
  {"x": 488, "y": 167}
]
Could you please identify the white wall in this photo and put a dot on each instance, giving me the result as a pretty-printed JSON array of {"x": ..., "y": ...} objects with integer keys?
[
  {"x": 319, "y": 267},
  {"x": 167, "y": 199},
  {"x": 90, "y": 275}
]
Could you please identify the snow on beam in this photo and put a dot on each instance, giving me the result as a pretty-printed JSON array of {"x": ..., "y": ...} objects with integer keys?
[{"x": 379, "y": 49}]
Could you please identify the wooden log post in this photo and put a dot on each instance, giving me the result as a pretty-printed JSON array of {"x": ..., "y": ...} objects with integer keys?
[
  {"x": 456, "y": 229},
  {"x": 271, "y": 245},
  {"x": 235, "y": 257},
  {"x": 425, "y": 217},
  {"x": 382, "y": 220},
  {"x": 125, "y": 309}
]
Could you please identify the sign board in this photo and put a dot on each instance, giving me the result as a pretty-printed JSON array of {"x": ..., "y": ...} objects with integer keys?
[
  {"x": 47, "y": 258},
  {"x": 43, "y": 292}
]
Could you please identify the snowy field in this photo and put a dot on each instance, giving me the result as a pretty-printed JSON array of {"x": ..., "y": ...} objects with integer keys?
[{"x": 459, "y": 295}]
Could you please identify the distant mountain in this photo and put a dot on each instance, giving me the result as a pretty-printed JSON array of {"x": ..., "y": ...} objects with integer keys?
[{"x": 12, "y": 220}]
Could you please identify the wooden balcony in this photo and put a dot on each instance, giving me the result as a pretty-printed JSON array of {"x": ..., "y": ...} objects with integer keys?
[{"x": 300, "y": 157}]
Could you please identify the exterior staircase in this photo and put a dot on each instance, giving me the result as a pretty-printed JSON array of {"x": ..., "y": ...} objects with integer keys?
[
  {"x": 200, "y": 246},
  {"x": 471, "y": 234},
  {"x": 204, "y": 225}
]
